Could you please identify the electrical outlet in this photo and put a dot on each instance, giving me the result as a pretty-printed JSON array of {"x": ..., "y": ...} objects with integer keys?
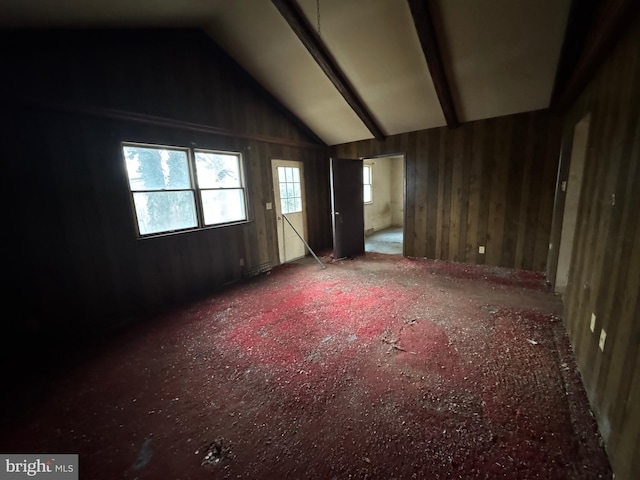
[
  {"x": 603, "y": 338},
  {"x": 269, "y": 206},
  {"x": 242, "y": 262},
  {"x": 593, "y": 322},
  {"x": 481, "y": 249}
]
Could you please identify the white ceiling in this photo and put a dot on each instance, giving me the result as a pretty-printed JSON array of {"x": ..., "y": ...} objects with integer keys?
[{"x": 500, "y": 55}]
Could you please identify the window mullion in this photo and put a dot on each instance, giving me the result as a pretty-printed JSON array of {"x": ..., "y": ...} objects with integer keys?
[{"x": 196, "y": 187}]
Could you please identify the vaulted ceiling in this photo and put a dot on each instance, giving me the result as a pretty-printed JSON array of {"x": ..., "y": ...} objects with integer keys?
[{"x": 358, "y": 69}]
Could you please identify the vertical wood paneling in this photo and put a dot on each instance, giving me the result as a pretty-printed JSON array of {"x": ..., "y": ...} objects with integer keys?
[
  {"x": 624, "y": 445},
  {"x": 465, "y": 190},
  {"x": 498, "y": 189},
  {"x": 546, "y": 196},
  {"x": 530, "y": 178},
  {"x": 618, "y": 366},
  {"x": 479, "y": 184},
  {"x": 420, "y": 213},
  {"x": 446, "y": 184},
  {"x": 439, "y": 230},
  {"x": 475, "y": 191},
  {"x": 604, "y": 277},
  {"x": 487, "y": 171},
  {"x": 410, "y": 193},
  {"x": 433, "y": 180},
  {"x": 514, "y": 191},
  {"x": 624, "y": 274},
  {"x": 455, "y": 224},
  {"x": 610, "y": 217},
  {"x": 525, "y": 180},
  {"x": 83, "y": 256},
  {"x": 603, "y": 127}
]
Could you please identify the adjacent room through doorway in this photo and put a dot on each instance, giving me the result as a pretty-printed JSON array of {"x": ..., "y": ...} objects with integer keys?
[{"x": 383, "y": 182}]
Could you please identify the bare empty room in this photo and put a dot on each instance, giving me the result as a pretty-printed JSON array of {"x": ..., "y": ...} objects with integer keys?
[{"x": 321, "y": 239}]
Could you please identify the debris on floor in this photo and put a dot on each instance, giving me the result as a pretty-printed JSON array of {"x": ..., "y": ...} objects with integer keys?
[
  {"x": 216, "y": 452},
  {"x": 291, "y": 376}
]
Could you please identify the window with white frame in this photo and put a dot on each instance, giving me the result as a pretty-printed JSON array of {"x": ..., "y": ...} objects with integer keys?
[
  {"x": 366, "y": 183},
  {"x": 221, "y": 188},
  {"x": 176, "y": 189}
]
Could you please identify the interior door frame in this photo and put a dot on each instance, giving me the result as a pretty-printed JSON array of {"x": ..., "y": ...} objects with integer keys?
[
  {"x": 569, "y": 185},
  {"x": 404, "y": 191}
]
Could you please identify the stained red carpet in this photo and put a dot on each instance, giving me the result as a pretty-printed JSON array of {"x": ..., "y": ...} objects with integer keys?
[{"x": 379, "y": 367}]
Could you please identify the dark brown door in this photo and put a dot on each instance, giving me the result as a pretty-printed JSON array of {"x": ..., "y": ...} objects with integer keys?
[{"x": 347, "y": 209}]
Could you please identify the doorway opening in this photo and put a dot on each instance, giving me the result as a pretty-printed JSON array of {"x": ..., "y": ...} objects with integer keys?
[
  {"x": 572, "y": 187},
  {"x": 288, "y": 189},
  {"x": 384, "y": 185}
]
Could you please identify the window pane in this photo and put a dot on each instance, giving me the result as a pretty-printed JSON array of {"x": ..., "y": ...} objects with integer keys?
[
  {"x": 283, "y": 190},
  {"x": 366, "y": 175},
  {"x": 156, "y": 169},
  {"x": 164, "y": 211},
  {"x": 367, "y": 193},
  {"x": 291, "y": 205},
  {"x": 218, "y": 170},
  {"x": 285, "y": 205},
  {"x": 223, "y": 206},
  {"x": 296, "y": 174}
]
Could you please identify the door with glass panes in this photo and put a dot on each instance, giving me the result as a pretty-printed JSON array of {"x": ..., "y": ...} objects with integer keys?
[{"x": 288, "y": 189}]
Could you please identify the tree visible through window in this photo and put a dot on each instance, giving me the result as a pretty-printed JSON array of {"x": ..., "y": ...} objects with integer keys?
[
  {"x": 290, "y": 190},
  {"x": 366, "y": 183},
  {"x": 220, "y": 182},
  {"x": 168, "y": 197}
]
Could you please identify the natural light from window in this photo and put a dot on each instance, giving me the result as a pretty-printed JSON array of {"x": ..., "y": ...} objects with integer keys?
[
  {"x": 290, "y": 189},
  {"x": 168, "y": 197},
  {"x": 366, "y": 183}
]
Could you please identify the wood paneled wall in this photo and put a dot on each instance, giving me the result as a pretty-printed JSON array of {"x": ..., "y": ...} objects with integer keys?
[
  {"x": 604, "y": 276},
  {"x": 73, "y": 97},
  {"x": 488, "y": 182}
]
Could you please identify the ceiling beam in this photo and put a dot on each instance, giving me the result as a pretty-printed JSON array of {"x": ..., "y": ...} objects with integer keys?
[
  {"x": 580, "y": 21},
  {"x": 612, "y": 21},
  {"x": 294, "y": 16},
  {"x": 423, "y": 21}
]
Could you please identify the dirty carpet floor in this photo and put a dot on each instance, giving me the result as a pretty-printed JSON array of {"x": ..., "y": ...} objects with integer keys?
[{"x": 378, "y": 367}]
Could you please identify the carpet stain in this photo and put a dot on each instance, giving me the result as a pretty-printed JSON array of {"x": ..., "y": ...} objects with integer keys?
[{"x": 378, "y": 367}]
